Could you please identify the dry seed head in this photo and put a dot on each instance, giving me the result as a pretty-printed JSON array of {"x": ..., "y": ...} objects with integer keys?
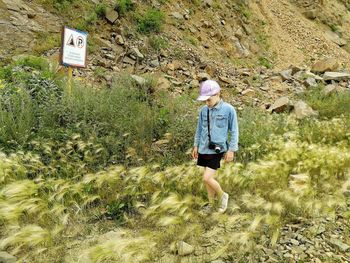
[
  {"x": 19, "y": 190},
  {"x": 30, "y": 235}
]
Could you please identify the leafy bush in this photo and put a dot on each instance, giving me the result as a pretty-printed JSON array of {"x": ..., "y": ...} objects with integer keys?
[{"x": 151, "y": 21}]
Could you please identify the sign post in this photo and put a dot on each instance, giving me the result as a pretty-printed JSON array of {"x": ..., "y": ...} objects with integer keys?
[{"x": 73, "y": 52}]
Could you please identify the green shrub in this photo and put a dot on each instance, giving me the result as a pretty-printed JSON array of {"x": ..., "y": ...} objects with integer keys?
[
  {"x": 109, "y": 117},
  {"x": 124, "y": 6},
  {"x": 91, "y": 19},
  {"x": 151, "y": 21},
  {"x": 100, "y": 10}
]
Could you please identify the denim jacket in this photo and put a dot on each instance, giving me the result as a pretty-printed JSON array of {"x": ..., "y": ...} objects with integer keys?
[{"x": 223, "y": 128}]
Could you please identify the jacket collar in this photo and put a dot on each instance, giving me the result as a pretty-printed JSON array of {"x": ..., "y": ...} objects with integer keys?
[{"x": 219, "y": 105}]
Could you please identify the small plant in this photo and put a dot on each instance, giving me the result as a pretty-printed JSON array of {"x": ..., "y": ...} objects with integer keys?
[
  {"x": 61, "y": 5},
  {"x": 192, "y": 40},
  {"x": 263, "y": 61},
  {"x": 158, "y": 43},
  {"x": 116, "y": 209},
  {"x": 334, "y": 28},
  {"x": 151, "y": 21}
]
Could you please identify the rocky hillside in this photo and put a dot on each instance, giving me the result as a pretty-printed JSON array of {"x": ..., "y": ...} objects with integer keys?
[
  {"x": 243, "y": 44},
  {"x": 287, "y": 32}
]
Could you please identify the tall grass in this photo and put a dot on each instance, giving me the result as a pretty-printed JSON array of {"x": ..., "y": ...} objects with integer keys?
[
  {"x": 126, "y": 120},
  {"x": 294, "y": 179},
  {"x": 330, "y": 105}
]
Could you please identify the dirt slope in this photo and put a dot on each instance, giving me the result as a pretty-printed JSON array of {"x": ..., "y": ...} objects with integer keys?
[{"x": 293, "y": 38}]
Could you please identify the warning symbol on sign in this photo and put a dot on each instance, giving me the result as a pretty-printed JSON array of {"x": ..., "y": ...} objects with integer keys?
[
  {"x": 71, "y": 41},
  {"x": 80, "y": 42}
]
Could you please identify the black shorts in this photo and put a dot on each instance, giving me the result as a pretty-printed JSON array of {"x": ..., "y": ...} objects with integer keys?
[{"x": 210, "y": 160}]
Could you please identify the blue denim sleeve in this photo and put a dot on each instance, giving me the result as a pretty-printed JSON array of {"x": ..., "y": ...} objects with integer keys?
[
  {"x": 233, "y": 131},
  {"x": 198, "y": 130}
]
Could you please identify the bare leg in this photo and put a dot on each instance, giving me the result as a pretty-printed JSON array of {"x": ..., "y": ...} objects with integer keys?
[
  {"x": 213, "y": 187},
  {"x": 211, "y": 194}
]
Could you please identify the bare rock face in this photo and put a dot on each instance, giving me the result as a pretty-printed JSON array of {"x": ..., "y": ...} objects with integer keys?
[
  {"x": 325, "y": 65},
  {"x": 20, "y": 21}
]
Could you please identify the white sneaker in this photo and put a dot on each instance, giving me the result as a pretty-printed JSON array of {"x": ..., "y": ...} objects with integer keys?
[{"x": 224, "y": 201}]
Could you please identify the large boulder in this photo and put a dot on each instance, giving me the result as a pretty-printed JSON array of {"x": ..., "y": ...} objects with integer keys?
[
  {"x": 337, "y": 76},
  {"x": 324, "y": 65},
  {"x": 286, "y": 74},
  {"x": 283, "y": 104},
  {"x": 111, "y": 16},
  {"x": 302, "y": 110}
]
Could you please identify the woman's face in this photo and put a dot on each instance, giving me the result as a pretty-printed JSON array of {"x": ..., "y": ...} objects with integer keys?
[{"x": 213, "y": 100}]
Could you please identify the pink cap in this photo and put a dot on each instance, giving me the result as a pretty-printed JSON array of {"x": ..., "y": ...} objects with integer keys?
[{"x": 208, "y": 88}]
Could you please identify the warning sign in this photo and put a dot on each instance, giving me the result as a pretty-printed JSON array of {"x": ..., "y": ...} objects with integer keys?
[
  {"x": 74, "y": 48},
  {"x": 71, "y": 41}
]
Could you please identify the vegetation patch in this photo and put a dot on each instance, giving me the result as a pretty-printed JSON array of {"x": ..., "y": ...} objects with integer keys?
[
  {"x": 150, "y": 22},
  {"x": 74, "y": 167}
]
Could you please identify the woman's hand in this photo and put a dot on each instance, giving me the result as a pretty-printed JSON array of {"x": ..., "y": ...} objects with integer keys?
[
  {"x": 229, "y": 156},
  {"x": 195, "y": 152}
]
